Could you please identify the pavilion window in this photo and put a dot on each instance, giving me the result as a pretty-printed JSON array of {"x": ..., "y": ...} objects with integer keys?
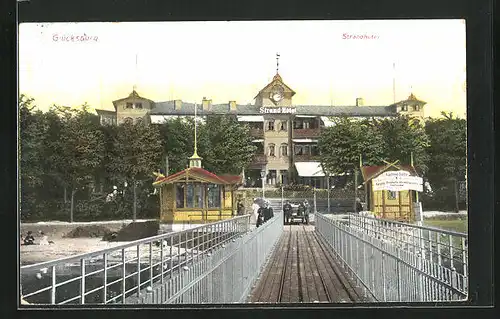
[
  {"x": 189, "y": 195},
  {"x": 198, "y": 195},
  {"x": 179, "y": 195},
  {"x": 213, "y": 196}
]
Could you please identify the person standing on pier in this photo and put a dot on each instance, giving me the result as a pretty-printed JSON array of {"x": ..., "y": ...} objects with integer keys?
[
  {"x": 268, "y": 212},
  {"x": 261, "y": 212}
]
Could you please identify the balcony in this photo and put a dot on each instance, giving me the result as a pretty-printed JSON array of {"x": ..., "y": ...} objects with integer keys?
[
  {"x": 257, "y": 132},
  {"x": 306, "y": 158},
  {"x": 259, "y": 160},
  {"x": 306, "y": 132}
]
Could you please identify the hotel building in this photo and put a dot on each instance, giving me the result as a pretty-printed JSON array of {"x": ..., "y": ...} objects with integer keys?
[{"x": 285, "y": 133}]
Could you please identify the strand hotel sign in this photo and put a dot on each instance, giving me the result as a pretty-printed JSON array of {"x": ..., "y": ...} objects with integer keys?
[
  {"x": 396, "y": 181},
  {"x": 278, "y": 110}
]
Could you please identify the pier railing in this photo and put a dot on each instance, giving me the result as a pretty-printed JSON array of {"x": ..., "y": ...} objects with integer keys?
[
  {"x": 123, "y": 274},
  {"x": 397, "y": 261},
  {"x": 224, "y": 276}
]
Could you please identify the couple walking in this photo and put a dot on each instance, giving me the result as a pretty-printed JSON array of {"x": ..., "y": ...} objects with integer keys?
[{"x": 262, "y": 211}]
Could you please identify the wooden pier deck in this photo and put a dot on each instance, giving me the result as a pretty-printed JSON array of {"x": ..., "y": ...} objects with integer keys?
[{"x": 302, "y": 270}]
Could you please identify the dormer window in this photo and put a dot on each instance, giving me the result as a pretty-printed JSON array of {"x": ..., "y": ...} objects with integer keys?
[
  {"x": 129, "y": 105},
  {"x": 138, "y": 105}
]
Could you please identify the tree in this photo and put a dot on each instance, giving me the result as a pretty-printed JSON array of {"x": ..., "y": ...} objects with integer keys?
[
  {"x": 177, "y": 137},
  {"x": 342, "y": 144},
  {"x": 401, "y": 137},
  {"x": 226, "y": 146},
  {"x": 447, "y": 152},
  {"x": 135, "y": 154},
  {"x": 81, "y": 150}
]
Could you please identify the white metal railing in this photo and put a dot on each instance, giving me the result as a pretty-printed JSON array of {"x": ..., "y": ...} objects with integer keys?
[
  {"x": 226, "y": 275},
  {"x": 397, "y": 261},
  {"x": 122, "y": 274}
]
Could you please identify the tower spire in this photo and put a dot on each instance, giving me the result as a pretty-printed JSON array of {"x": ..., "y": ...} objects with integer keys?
[
  {"x": 277, "y": 63},
  {"x": 134, "y": 87},
  {"x": 195, "y": 160},
  {"x": 394, "y": 82}
]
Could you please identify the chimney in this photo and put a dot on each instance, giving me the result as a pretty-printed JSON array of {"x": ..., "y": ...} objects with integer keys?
[
  {"x": 177, "y": 104},
  {"x": 360, "y": 101},
  {"x": 206, "y": 104},
  {"x": 232, "y": 105}
]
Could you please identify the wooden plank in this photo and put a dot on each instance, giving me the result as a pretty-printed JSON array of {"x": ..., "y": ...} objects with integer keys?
[
  {"x": 312, "y": 293},
  {"x": 278, "y": 271},
  {"x": 271, "y": 291},
  {"x": 264, "y": 281},
  {"x": 302, "y": 264}
]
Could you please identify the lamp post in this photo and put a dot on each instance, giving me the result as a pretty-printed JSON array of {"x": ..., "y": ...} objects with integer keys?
[{"x": 263, "y": 175}]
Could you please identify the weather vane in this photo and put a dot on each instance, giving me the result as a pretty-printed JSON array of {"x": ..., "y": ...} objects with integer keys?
[{"x": 277, "y": 62}]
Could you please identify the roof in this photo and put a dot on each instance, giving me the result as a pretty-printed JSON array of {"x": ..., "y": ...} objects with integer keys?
[
  {"x": 411, "y": 98},
  {"x": 370, "y": 172},
  {"x": 107, "y": 112},
  {"x": 133, "y": 95},
  {"x": 276, "y": 78},
  {"x": 167, "y": 108},
  {"x": 199, "y": 174}
]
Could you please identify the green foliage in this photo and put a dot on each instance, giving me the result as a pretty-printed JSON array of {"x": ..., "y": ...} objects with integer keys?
[
  {"x": 402, "y": 136},
  {"x": 67, "y": 152},
  {"x": 342, "y": 144},
  {"x": 227, "y": 145},
  {"x": 224, "y": 145},
  {"x": 448, "y": 149}
]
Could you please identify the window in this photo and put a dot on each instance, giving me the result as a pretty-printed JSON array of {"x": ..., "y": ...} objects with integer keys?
[
  {"x": 189, "y": 195},
  {"x": 179, "y": 196},
  {"x": 392, "y": 195},
  {"x": 129, "y": 105},
  {"x": 314, "y": 150},
  {"x": 417, "y": 107},
  {"x": 270, "y": 125},
  {"x": 213, "y": 194},
  {"x": 271, "y": 150},
  {"x": 198, "y": 195},
  {"x": 298, "y": 124},
  {"x": 307, "y": 124},
  {"x": 404, "y": 107},
  {"x": 284, "y": 150},
  {"x": 283, "y": 126},
  {"x": 298, "y": 150},
  {"x": 307, "y": 150},
  {"x": 138, "y": 121},
  {"x": 138, "y": 105}
]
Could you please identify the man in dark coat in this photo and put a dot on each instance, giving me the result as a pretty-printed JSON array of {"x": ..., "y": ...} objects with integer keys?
[
  {"x": 359, "y": 206},
  {"x": 260, "y": 216},
  {"x": 240, "y": 208},
  {"x": 268, "y": 212},
  {"x": 287, "y": 212}
]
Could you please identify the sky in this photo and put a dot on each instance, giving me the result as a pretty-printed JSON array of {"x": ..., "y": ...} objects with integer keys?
[{"x": 73, "y": 63}]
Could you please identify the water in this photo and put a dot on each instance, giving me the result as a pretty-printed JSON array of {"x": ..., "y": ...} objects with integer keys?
[{"x": 31, "y": 283}]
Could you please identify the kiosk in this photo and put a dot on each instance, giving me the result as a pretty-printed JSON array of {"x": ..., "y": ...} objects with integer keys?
[{"x": 392, "y": 191}]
